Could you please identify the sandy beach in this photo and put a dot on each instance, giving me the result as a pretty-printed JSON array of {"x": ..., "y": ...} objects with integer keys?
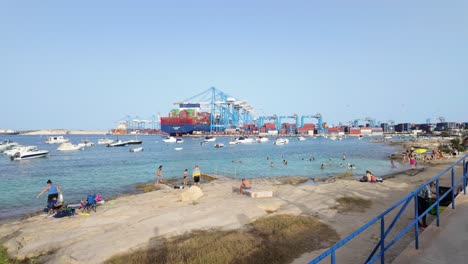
[{"x": 128, "y": 223}]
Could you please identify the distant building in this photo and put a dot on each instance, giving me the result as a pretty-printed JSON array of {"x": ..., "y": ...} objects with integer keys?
[{"x": 402, "y": 128}]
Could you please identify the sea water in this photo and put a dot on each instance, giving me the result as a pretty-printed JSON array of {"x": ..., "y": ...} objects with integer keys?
[{"x": 111, "y": 171}]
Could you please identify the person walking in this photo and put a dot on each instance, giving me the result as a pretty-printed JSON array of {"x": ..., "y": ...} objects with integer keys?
[
  {"x": 159, "y": 175},
  {"x": 53, "y": 192},
  {"x": 196, "y": 175}
]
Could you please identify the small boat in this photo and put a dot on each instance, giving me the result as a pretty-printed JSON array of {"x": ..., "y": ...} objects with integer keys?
[
  {"x": 241, "y": 140},
  {"x": 86, "y": 143},
  {"x": 18, "y": 148},
  {"x": 119, "y": 143},
  {"x": 170, "y": 140},
  {"x": 67, "y": 146},
  {"x": 178, "y": 149},
  {"x": 210, "y": 139},
  {"x": 105, "y": 141},
  {"x": 262, "y": 139},
  {"x": 179, "y": 140},
  {"x": 136, "y": 149},
  {"x": 333, "y": 138},
  {"x": 360, "y": 137},
  {"x": 219, "y": 145},
  {"x": 56, "y": 140},
  {"x": 301, "y": 138},
  {"x": 30, "y": 153},
  {"x": 281, "y": 141},
  {"x": 134, "y": 142}
]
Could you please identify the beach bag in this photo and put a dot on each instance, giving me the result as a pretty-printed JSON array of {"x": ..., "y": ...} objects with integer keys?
[{"x": 98, "y": 198}]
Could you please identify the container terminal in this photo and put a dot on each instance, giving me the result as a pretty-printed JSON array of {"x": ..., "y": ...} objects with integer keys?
[{"x": 215, "y": 112}]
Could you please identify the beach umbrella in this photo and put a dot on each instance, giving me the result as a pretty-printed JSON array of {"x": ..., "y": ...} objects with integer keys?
[{"x": 420, "y": 150}]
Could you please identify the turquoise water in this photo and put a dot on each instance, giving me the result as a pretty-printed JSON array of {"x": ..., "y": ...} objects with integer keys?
[{"x": 113, "y": 171}]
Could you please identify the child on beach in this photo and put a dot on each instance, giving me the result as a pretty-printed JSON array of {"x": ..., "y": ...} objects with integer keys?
[
  {"x": 159, "y": 175},
  {"x": 185, "y": 177},
  {"x": 196, "y": 175}
]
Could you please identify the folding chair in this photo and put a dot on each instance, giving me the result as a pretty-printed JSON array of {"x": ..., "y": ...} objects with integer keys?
[{"x": 90, "y": 204}]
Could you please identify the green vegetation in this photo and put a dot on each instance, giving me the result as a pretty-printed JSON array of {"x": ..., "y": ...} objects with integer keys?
[
  {"x": 4, "y": 256},
  {"x": 352, "y": 204},
  {"x": 276, "y": 239}
]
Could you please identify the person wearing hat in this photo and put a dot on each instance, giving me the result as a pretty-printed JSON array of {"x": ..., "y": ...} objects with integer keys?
[{"x": 53, "y": 191}]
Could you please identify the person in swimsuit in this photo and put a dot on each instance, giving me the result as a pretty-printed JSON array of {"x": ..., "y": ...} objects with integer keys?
[
  {"x": 196, "y": 175},
  {"x": 245, "y": 185},
  {"x": 53, "y": 191},
  {"x": 159, "y": 175}
]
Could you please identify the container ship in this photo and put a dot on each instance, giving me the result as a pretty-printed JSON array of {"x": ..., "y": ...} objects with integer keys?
[{"x": 186, "y": 120}]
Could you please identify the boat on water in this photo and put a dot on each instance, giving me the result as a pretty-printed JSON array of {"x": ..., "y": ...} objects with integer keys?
[
  {"x": 118, "y": 143},
  {"x": 105, "y": 141},
  {"x": 262, "y": 139},
  {"x": 29, "y": 153},
  {"x": 134, "y": 142},
  {"x": 179, "y": 140},
  {"x": 333, "y": 138},
  {"x": 86, "y": 143},
  {"x": 67, "y": 146},
  {"x": 301, "y": 138},
  {"x": 18, "y": 148},
  {"x": 281, "y": 141},
  {"x": 7, "y": 144},
  {"x": 241, "y": 140},
  {"x": 170, "y": 140},
  {"x": 136, "y": 149},
  {"x": 56, "y": 140},
  {"x": 178, "y": 148},
  {"x": 210, "y": 139},
  {"x": 219, "y": 145}
]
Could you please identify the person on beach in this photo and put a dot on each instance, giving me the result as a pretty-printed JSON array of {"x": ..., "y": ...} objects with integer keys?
[
  {"x": 392, "y": 164},
  {"x": 159, "y": 175},
  {"x": 53, "y": 192},
  {"x": 196, "y": 175},
  {"x": 245, "y": 185},
  {"x": 185, "y": 177},
  {"x": 423, "y": 202},
  {"x": 367, "y": 177},
  {"x": 412, "y": 161}
]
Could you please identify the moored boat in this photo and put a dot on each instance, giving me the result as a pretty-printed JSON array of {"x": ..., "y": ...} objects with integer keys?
[
  {"x": 179, "y": 140},
  {"x": 56, "y": 140},
  {"x": 136, "y": 149},
  {"x": 119, "y": 143},
  {"x": 67, "y": 146},
  {"x": 29, "y": 153},
  {"x": 301, "y": 138},
  {"x": 219, "y": 145},
  {"x": 170, "y": 140},
  {"x": 134, "y": 142},
  {"x": 281, "y": 141},
  {"x": 105, "y": 141},
  {"x": 210, "y": 139},
  {"x": 7, "y": 144}
]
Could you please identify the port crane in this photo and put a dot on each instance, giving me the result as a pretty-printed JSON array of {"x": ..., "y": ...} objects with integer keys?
[
  {"x": 318, "y": 116},
  {"x": 280, "y": 121}
]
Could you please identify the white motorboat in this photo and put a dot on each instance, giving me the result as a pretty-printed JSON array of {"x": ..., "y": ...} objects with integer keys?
[
  {"x": 333, "y": 138},
  {"x": 29, "y": 153},
  {"x": 56, "y": 140},
  {"x": 86, "y": 143},
  {"x": 18, "y": 148},
  {"x": 178, "y": 148},
  {"x": 67, "y": 146},
  {"x": 179, "y": 140},
  {"x": 281, "y": 141},
  {"x": 105, "y": 141},
  {"x": 136, "y": 149},
  {"x": 7, "y": 144},
  {"x": 118, "y": 143},
  {"x": 242, "y": 140},
  {"x": 134, "y": 142},
  {"x": 262, "y": 139},
  {"x": 210, "y": 139},
  {"x": 301, "y": 138},
  {"x": 219, "y": 145},
  {"x": 170, "y": 140}
]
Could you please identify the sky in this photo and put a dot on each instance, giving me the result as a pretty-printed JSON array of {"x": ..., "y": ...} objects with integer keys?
[{"x": 88, "y": 64}]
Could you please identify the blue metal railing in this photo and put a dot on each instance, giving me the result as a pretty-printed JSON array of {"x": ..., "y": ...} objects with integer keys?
[{"x": 381, "y": 246}]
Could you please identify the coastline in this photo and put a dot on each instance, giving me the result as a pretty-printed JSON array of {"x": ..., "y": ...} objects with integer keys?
[{"x": 132, "y": 220}]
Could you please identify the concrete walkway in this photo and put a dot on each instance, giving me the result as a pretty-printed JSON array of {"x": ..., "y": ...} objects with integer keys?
[{"x": 445, "y": 244}]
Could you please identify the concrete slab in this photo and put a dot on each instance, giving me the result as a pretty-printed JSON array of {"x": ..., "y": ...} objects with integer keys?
[
  {"x": 444, "y": 244},
  {"x": 258, "y": 193}
]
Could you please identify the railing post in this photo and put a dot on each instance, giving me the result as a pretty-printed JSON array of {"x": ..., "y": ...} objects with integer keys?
[
  {"x": 382, "y": 238},
  {"x": 416, "y": 225},
  {"x": 453, "y": 188},
  {"x": 438, "y": 202},
  {"x": 333, "y": 257},
  {"x": 464, "y": 176}
]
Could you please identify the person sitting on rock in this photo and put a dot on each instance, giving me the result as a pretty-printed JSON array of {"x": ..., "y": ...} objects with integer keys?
[{"x": 245, "y": 185}]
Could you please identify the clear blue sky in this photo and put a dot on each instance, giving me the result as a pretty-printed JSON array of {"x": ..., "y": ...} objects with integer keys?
[{"x": 86, "y": 64}]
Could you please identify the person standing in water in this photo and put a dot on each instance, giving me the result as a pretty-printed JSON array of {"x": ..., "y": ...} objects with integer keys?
[
  {"x": 196, "y": 175},
  {"x": 53, "y": 191},
  {"x": 159, "y": 175}
]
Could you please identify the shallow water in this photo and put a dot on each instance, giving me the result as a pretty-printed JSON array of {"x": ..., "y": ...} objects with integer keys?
[{"x": 113, "y": 171}]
